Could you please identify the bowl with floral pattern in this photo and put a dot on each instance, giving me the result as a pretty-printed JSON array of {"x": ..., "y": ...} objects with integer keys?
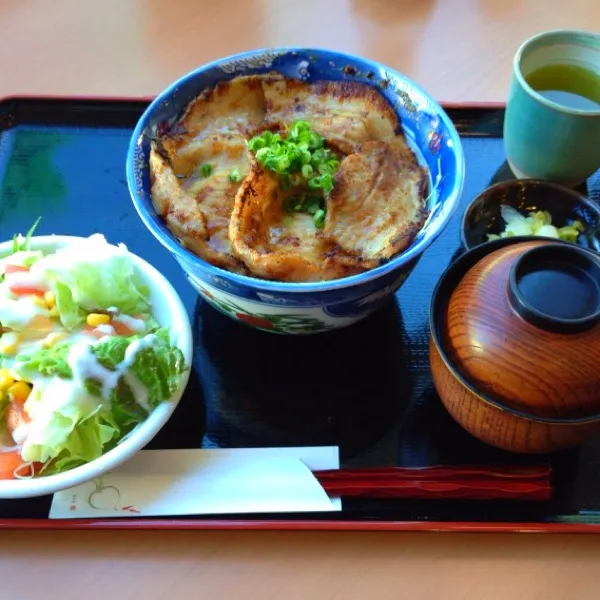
[{"x": 313, "y": 306}]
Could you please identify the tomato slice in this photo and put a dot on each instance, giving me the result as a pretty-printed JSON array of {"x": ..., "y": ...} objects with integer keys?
[
  {"x": 9, "y": 461},
  {"x": 121, "y": 328},
  {"x": 93, "y": 332},
  {"x": 26, "y": 290},
  {"x": 15, "y": 269},
  {"x": 118, "y": 327}
]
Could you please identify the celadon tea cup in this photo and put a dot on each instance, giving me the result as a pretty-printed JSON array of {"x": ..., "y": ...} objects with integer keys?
[{"x": 552, "y": 119}]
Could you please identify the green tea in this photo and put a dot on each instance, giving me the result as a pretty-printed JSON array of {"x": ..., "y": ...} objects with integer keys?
[{"x": 571, "y": 86}]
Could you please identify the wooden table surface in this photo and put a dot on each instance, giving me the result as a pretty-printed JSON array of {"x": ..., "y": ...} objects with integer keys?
[{"x": 459, "y": 50}]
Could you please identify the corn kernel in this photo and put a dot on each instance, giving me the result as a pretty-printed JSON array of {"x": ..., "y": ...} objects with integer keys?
[
  {"x": 50, "y": 299},
  {"x": 95, "y": 319},
  {"x": 54, "y": 311},
  {"x": 39, "y": 302},
  {"x": 19, "y": 392},
  {"x": 52, "y": 339},
  {"x": 9, "y": 343},
  {"x": 6, "y": 380}
]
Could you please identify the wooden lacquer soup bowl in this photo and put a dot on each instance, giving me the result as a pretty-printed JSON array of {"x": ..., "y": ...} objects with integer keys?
[{"x": 515, "y": 343}]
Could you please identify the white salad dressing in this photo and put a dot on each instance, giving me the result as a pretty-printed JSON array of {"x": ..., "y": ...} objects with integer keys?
[
  {"x": 136, "y": 325},
  {"x": 20, "y": 259},
  {"x": 11, "y": 448},
  {"x": 140, "y": 391},
  {"x": 15, "y": 312},
  {"x": 56, "y": 395},
  {"x": 85, "y": 365},
  {"x": 51, "y": 397},
  {"x": 20, "y": 433},
  {"x": 91, "y": 250},
  {"x": 69, "y": 398},
  {"x": 26, "y": 279},
  {"x": 106, "y": 329}
]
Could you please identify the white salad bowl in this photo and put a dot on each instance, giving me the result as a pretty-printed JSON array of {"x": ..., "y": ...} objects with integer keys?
[{"x": 169, "y": 311}]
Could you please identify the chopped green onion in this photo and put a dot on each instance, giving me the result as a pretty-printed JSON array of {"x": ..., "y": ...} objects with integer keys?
[
  {"x": 301, "y": 160},
  {"x": 327, "y": 183},
  {"x": 314, "y": 183},
  {"x": 256, "y": 143},
  {"x": 312, "y": 204},
  {"x": 307, "y": 171},
  {"x": 301, "y": 147},
  {"x": 295, "y": 179},
  {"x": 205, "y": 170},
  {"x": 315, "y": 141},
  {"x": 282, "y": 164},
  {"x": 319, "y": 218},
  {"x": 235, "y": 176},
  {"x": 262, "y": 154}
]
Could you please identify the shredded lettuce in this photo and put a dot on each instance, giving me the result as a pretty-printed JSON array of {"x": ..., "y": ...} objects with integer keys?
[
  {"x": 24, "y": 257},
  {"x": 86, "y": 440},
  {"x": 48, "y": 362},
  {"x": 69, "y": 438},
  {"x": 89, "y": 275},
  {"x": 152, "y": 325},
  {"x": 157, "y": 367},
  {"x": 20, "y": 243},
  {"x": 83, "y": 428}
]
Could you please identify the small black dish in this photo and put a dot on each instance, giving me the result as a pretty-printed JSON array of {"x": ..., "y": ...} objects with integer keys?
[{"x": 482, "y": 215}]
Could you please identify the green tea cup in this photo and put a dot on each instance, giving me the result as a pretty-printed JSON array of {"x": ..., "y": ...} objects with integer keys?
[{"x": 552, "y": 132}]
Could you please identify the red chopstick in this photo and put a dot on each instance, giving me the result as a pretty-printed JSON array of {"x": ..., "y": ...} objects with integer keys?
[{"x": 465, "y": 483}]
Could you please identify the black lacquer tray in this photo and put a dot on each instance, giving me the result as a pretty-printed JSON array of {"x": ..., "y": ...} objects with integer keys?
[{"x": 371, "y": 395}]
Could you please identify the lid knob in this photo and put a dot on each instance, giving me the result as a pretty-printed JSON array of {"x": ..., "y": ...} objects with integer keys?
[{"x": 556, "y": 287}]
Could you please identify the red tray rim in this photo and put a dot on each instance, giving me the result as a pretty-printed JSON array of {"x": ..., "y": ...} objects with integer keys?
[
  {"x": 280, "y": 524},
  {"x": 284, "y": 525}
]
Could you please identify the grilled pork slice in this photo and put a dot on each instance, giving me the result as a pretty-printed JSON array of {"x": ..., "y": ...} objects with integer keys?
[
  {"x": 276, "y": 244},
  {"x": 345, "y": 113},
  {"x": 231, "y": 107},
  {"x": 378, "y": 203},
  {"x": 197, "y": 208},
  {"x": 198, "y": 164}
]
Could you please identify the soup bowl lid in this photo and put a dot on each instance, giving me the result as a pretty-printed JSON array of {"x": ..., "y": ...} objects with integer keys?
[{"x": 522, "y": 326}]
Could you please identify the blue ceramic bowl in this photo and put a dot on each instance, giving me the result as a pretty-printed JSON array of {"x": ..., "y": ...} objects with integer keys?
[{"x": 299, "y": 308}]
